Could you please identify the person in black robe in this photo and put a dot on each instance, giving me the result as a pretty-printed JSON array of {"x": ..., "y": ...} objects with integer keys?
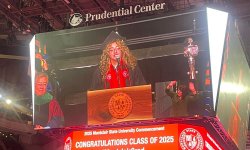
[{"x": 118, "y": 67}]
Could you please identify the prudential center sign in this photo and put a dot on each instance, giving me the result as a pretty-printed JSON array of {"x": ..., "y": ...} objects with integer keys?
[{"x": 77, "y": 18}]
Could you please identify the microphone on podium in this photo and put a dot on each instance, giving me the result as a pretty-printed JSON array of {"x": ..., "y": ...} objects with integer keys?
[
  {"x": 118, "y": 61},
  {"x": 117, "y": 68}
]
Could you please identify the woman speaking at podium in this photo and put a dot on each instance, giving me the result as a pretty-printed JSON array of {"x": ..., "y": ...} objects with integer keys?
[{"x": 118, "y": 67}]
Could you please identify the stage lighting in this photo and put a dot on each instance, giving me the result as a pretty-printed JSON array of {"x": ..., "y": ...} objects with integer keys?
[
  {"x": 8, "y": 101},
  {"x": 32, "y": 67},
  {"x": 228, "y": 87},
  {"x": 217, "y": 24}
]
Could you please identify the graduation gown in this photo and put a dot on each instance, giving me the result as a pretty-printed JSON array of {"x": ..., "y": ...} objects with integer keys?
[
  {"x": 48, "y": 113},
  {"x": 132, "y": 78}
]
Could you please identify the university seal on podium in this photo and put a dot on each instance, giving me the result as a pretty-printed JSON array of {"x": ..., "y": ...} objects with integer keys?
[{"x": 120, "y": 105}]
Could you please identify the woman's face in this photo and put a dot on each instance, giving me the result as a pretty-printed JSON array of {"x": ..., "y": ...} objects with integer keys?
[
  {"x": 41, "y": 85},
  {"x": 114, "y": 51},
  {"x": 179, "y": 93}
]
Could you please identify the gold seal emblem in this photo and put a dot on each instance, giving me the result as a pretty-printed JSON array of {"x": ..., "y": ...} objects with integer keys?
[{"x": 120, "y": 105}]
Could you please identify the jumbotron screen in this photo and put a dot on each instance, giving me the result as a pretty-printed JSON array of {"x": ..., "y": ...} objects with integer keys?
[
  {"x": 155, "y": 67},
  {"x": 233, "y": 101}
]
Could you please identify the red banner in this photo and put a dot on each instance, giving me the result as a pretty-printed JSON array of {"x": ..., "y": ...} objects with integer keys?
[{"x": 170, "y": 136}]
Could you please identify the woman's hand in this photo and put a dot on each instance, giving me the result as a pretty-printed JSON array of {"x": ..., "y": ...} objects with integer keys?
[{"x": 171, "y": 84}]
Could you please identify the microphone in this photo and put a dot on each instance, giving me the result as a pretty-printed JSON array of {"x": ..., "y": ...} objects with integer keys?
[
  {"x": 117, "y": 67},
  {"x": 118, "y": 61}
]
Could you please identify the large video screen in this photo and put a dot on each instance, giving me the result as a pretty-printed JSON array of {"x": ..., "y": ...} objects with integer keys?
[
  {"x": 140, "y": 70},
  {"x": 233, "y": 100}
]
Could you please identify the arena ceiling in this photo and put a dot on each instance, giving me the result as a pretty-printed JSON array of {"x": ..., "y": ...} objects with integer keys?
[{"x": 20, "y": 19}]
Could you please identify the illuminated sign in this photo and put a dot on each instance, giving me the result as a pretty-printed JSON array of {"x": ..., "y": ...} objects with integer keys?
[
  {"x": 124, "y": 12},
  {"x": 76, "y": 18},
  {"x": 170, "y": 136}
]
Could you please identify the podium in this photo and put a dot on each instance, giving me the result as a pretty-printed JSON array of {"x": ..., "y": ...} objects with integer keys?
[{"x": 120, "y": 104}]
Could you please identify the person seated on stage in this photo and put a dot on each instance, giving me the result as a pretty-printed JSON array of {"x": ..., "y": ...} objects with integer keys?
[
  {"x": 118, "y": 67},
  {"x": 48, "y": 113}
]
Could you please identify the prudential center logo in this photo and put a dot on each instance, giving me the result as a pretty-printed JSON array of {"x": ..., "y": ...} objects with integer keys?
[{"x": 75, "y": 19}]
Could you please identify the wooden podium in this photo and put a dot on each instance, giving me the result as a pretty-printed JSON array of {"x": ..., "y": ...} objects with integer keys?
[{"x": 121, "y": 104}]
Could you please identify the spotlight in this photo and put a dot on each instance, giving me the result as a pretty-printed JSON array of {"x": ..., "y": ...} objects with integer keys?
[
  {"x": 1, "y": 96},
  {"x": 8, "y": 101}
]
